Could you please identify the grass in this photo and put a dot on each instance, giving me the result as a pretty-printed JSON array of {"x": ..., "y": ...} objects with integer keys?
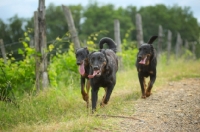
[{"x": 62, "y": 109}]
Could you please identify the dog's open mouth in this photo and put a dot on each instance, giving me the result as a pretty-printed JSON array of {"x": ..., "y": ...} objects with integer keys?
[
  {"x": 95, "y": 73},
  {"x": 143, "y": 61},
  {"x": 82, "y": 69}
]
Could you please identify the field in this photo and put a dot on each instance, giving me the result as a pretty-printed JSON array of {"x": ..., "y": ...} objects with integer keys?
[{"x": 62, "y": 109}]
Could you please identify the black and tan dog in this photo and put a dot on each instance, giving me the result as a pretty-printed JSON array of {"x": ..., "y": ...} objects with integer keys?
[
  {"x": 103, "y": 68},
  {"x": 146, "y": 66},
  {"x": 82, "y": 62}
]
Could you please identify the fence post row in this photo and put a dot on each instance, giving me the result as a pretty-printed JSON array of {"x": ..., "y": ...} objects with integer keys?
[
  {"x": 139, "y": 30},
  {"x": 118, "y": 39},
  {"x": 3, "y": 51},
  {"x": 71, "y": 26}
]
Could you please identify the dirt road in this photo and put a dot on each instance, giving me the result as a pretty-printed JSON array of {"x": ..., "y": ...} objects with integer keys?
[{"x": 173, "y": 108}]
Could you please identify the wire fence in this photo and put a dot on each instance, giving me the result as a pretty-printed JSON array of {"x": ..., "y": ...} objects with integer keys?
[{"x": 13, "y": 48}]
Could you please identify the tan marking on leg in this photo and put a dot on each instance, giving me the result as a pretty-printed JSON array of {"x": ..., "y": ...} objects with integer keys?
[
  {"x": 148, "y": 91},
  {"x": 88, "y": 90},
  {"x": 144, "y": 83},
  {"x": 102, "y": 102},
  {"x": 151, "y": 72}
]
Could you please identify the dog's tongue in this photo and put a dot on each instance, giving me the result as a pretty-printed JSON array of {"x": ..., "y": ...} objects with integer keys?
[
  {"x": 143, "y": 61},
  {"x": 94, "y": 74},
  {"x": 82, "y": 69}
]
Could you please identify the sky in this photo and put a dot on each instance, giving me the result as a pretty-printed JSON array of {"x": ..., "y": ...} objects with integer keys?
[{"x": 26, "y": 8}]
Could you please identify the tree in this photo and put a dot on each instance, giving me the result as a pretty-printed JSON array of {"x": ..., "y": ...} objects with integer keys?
[
  {"x": 4, "y": 34},
  {"x": 97, "y": 18},
  {"x": 175, "y": 18},
  {"x": 16, "y": 28}
]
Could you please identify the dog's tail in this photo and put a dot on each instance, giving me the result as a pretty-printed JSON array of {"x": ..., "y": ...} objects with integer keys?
[{"x": 111, "y": 44}]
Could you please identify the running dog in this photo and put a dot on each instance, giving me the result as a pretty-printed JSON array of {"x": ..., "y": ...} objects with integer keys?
[
  {"x": 82, "y": 62},
  {"x": 146, "y": 66},
  {"x": 103, "y": 69}
]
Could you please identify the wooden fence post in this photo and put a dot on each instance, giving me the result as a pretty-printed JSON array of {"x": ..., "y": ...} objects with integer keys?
[
  {"x": 169, "y": 39},
  {"x": 31, "y": 43},
  {"x": 160, "y": 40},
  {"x": 118, "y": 39},
  {"x": 186, "y": 45},
  {"x": 194, "y": 49},
  {"x": 37, "y": 48},
  {"x": 71, "y": 26},
  {"x": 178, "y": 45},
  {"x": 41, "y": 46},
  {"x": 139, "y": 29},
  {"x": 3, "y": 51}
]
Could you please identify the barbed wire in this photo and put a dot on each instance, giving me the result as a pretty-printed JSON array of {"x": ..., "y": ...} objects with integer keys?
[{"x": 10, "y": 44}]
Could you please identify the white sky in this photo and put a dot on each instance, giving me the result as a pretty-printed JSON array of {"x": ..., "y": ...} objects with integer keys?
[{"x": 25, "y": 8}]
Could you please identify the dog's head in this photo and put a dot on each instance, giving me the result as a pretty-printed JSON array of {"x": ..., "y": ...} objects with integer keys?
[
  {"x": 146, "y": 52},
  {"x": 97, "y": 61},
  {"x": 81, "y": 56}
]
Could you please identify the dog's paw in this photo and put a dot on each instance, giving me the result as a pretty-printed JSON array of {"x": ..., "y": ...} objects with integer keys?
[
  {"x": 102, "y": 104},
  {"x": 143, "y": 97},
  {"x": 148, "y": 94},
  {"x": 85, "y": 97}
]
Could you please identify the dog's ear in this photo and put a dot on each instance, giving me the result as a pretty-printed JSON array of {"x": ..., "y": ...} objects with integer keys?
[
  {"x": 88, "y": 56},
  {"x": 86, "y": 50},
  {"x": 152, "y": 39},
  {"x": 104, "y": 53}
]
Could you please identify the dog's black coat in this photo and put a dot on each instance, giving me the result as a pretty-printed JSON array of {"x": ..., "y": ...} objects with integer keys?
[
  {"x": 146, "y": 66},
  {"x": 103, "y": 68},
  {"x": 82, "y": 62}
]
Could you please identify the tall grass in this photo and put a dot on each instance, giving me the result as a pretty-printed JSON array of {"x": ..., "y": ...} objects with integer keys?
[{"x": 61, "y": 108}]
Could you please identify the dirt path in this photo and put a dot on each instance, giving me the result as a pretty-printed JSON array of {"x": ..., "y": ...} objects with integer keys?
[{"x": 173, "y": 108}]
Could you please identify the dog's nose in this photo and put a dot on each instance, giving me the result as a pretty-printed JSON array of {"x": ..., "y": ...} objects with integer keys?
[
  {"x": 139, "y": 57},
  {"x": 78, "y": 63},
  {"x": 96, "y": 68}
]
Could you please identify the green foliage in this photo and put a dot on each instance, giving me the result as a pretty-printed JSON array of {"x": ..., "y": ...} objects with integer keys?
[
  {"x": 129, "y": 51},
  {"x": 101, "y": 17},
  {"x": 62, "y": 108},
  {"x": 20, "y": 73},
  {"x": 63, "y": 68}
]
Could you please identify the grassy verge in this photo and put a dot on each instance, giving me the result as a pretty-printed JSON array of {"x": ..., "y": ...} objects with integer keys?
[{"x": 62, "y": 109}]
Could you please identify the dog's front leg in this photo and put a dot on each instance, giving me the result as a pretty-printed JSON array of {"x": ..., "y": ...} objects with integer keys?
[
  {"x": 88, "y": 89},
  {"x": 94, "y": 97},
  {"x": 150, "y": 85},
  {"x": 102, "y": 102},
  {"x": 142, "y": 85},
  {"x": 108, "y": 94},
  {"x": 84, "y": 94}
]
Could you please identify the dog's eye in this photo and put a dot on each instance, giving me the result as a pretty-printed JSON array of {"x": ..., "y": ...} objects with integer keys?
[{"x": 92, "y": 60}]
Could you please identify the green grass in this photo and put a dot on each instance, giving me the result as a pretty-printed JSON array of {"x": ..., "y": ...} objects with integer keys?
[{"x": 62, "y": 109}]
